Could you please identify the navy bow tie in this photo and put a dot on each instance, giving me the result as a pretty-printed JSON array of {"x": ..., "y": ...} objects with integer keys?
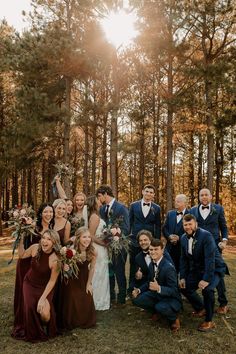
[
  {"x": 148, "y": 204},
  {"x": 205, "y": 207}
]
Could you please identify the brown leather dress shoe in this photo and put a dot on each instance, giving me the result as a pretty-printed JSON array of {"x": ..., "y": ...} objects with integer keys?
[
  {"x": 222, "y": 310},
  {"x": 206, "y": 326},
  {"x": 175, "y": 326},
  {"x": 199, "y": 314}
]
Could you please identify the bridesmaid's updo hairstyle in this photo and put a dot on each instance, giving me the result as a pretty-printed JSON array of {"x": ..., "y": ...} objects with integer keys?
[
  {"x": 90, "y": 251},
  {"x": 39, "y": 226}
]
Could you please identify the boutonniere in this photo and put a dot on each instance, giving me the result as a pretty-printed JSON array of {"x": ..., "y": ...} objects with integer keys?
[
  {"x": 152, "y": 210},
  {"x": 213, "y": 211},
  {"x": 194, "y": 243}
]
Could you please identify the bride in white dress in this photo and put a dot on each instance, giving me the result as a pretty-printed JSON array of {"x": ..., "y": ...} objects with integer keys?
[{"x": 100, "y": 282}]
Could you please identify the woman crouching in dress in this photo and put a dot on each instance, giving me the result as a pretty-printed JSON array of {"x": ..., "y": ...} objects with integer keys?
[
  {"x": 76, "y": 299},
  {"x": 39, "y": 320}
]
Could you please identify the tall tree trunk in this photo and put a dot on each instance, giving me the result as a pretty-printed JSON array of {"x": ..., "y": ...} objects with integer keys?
[
  {"x": 43, "y": 181},
  {"x": 141, "y": 154},
  {"x": 1, "y": 209},
  {"x": 29, "y": 187},
  {"x": 114, "y": 128},
  {"x": 15, "y": 200},
  {"x": 104, "y": 150},
  {"x": 66, "y": 143},
  {"x": 200, "y": 162},
  {"x": 94, "y": 154},
  {"x": 86, "y": 159},
  {"x": 23, "y": 186},
  {"x": 191, "y": 169},
  {"x": 210, "y": 137}
]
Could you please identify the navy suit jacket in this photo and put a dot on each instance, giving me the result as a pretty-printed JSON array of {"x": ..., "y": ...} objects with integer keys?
[
  {"x": 205, "y": 259},
  {"x": 170, "y": 225},
  {"x": 118, "y": 214},
  {"x": 138, "y": 222},
  {"x": 141, "y": 263},
  {"x": 167, "y": 279},
  {"x": 215, "y": 223}
]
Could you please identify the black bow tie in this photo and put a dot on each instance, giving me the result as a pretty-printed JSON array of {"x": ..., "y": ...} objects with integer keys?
[
  {"x": 146, "y": 253},
  {"x": 190, "y": 236},
  {"x": 179, "y": 213},
  {"x": 205, "y": 207},
  {"x": 148, "y": 204}
]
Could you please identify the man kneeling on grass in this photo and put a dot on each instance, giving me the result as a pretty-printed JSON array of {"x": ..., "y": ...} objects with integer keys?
[{"x": 160, "y": 294}]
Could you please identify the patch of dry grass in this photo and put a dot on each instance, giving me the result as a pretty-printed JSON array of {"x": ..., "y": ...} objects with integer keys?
[{"x": 127, "y": 330}]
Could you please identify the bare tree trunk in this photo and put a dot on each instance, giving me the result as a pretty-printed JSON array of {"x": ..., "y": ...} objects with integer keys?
[
  {"x": 29, "y": 186},
  {"x": 200, "y": 162},
  {"x": 86, "y": 160},
  {"x": 191, "y": 169},
  {"x": 66, "y": 145},
  {"x": 15, "y": 199},
  {"x": 141, "y": 155},
  {"x": 23, "y": 186},
  {"x": 104, "y": 150},
  {"x": 114, "y": 129},
  {"x": 1, "y": 209},
  {"x": 94, "y": 154},
  {"x": 43, "y": 181}
]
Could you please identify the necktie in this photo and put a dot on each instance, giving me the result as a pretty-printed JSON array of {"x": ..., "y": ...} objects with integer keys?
[
  {"x": 147, "y": 204},
  {"x": 179, "y": 213},
  {"x": 205, "y": 207},
  {"x": 107, "y": 211}
]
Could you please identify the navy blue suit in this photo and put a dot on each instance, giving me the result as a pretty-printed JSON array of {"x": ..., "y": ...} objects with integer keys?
[
  {"x": 205, "y": 263},
  {"x": 152, "y": 223},
  {"x": 118, "y": 214},
  {"x": 171, "y": 227},
  {"x": 168, "y": 301},
  {"x": 141, "y": 263},
  {"x": 215, "y": 223}
]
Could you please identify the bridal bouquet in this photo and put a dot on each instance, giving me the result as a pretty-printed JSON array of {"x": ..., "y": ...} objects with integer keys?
[
  {"x": 63, "y": 170},
  {"x": 21, "y": 220},
  {"x": 68, "y": 263},
  {"x": 76, "y": 222},
  {"x": 114, "y": 238}
]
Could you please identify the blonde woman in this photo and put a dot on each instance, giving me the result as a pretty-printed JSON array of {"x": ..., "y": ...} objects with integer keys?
[
  {"x": 76, "y": 299},
  {"x": 62, "y": 225}
]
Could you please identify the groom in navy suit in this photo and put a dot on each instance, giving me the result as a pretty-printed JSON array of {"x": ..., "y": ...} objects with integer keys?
[
  {"x": 114, "y": 211},
  {"x": 201, "y": 267},
  {"x": 144, "y": 214},
  {"x": 173, "y": 228},
  {"x": 211, "y": 217}
]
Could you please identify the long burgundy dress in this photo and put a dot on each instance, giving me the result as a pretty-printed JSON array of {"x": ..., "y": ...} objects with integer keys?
[
  {"x": 34, "y": 285},
  {"x": 22, "y": 268},
  {"x": 76, "y": 306}
]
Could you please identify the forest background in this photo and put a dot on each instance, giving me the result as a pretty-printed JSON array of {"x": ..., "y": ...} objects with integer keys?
[{"x": 161, "y": 110}]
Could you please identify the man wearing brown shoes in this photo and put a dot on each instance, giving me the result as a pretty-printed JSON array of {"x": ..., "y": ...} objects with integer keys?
[
  {"x": 201, "y": 267},
  {"x": 160, "y": 294}
]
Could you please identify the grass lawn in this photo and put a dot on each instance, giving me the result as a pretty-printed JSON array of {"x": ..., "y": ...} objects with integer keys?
[{"x": 126, "y": 330}]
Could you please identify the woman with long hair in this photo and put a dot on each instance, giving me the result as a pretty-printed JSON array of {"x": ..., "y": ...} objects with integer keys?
[
  {"x": 76, "y": 300},
  {"x": 101, "y": 286},
  {"x": 44, "y": 221},
  {"x": 39, "y": 321},
  {"x": 62, "y": 225}
]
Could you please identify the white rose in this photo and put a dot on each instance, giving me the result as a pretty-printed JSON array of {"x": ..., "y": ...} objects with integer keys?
[
  {"x": 15, "y": 213},
  {"x": 116, "y": 238},
  {"x": 23, "y": 212},
  {"x": 63, "y": 251},
  {"x": 74, "y": 251}
]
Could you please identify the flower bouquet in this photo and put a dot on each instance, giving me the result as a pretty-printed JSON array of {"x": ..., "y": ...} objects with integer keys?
[
  {"x": 68, "y": 263},
  {"x": 114, "y": 239},
  {"x": 21, "y": 220},
  {"x": 63, "y": 170},
  {"x": 76, "y": 222}
]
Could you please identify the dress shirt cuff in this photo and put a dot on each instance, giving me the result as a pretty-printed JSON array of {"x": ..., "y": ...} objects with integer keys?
[
  {"x": 225, "y": 239},
  {"x": 159, "y": 291}
]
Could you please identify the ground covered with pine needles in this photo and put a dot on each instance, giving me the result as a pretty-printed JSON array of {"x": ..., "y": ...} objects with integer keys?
[{"x": 127, "y": 330}]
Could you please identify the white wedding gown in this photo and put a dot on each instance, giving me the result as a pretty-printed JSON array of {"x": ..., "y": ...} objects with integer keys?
[{"x": 101, "y": 286}]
